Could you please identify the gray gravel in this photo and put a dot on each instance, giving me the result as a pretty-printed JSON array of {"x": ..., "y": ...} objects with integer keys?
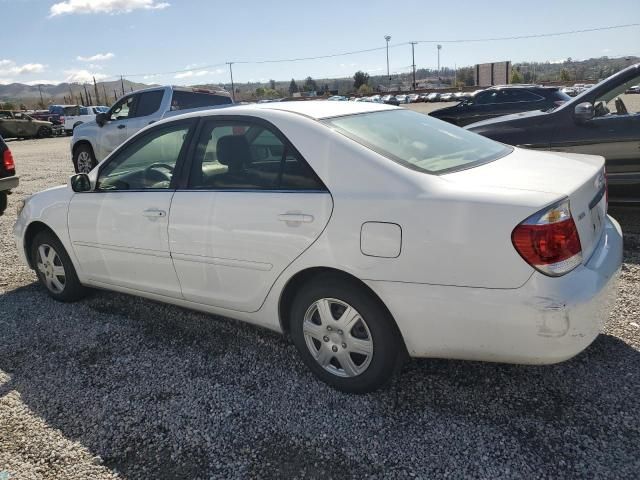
[{"x": 117, "y": 386}]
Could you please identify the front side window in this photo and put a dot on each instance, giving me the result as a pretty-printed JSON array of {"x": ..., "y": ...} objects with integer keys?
[
  {"x": 122, "y": 109},
  {"x": 418, "y": 141},
  {"x": 246, "y": 156},
  {"x": 146, "y": 163},
  {"x": 149, "y": 103}
]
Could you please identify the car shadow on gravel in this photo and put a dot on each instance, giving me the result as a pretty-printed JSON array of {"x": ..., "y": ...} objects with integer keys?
[{"x": 162, "y": 392}]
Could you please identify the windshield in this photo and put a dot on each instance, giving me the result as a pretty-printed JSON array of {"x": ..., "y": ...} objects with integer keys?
[{"x": 418, "y": 141}]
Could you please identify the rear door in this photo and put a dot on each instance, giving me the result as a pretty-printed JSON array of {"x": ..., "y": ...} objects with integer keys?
[{"x": 253, "y": 204}]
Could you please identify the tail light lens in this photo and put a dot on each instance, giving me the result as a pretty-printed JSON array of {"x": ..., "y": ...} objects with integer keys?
[
  {"x": 7, "y": 161},
  {"x": 549, "y": 241}
]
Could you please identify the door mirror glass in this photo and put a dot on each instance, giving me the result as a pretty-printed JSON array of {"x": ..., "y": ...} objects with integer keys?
[
  {"x": 101, "y": 119},
  {"x": 583, "y": 112},
  {"x": 80, "y": 183}
]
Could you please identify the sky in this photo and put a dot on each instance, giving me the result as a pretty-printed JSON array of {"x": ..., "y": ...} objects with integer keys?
[{"x": 51, "y": 41}]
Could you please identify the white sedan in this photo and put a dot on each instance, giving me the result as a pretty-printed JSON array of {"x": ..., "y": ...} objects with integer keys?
[{"x": 366, "y": 232}]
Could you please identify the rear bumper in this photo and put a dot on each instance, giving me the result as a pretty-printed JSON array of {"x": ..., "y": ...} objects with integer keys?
[
  {"x": 547, "y": 320},
  {"x": 8, "y": 183}
]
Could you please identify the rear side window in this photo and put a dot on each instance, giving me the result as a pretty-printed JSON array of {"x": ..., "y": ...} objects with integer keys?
[
  {"x": 182, "y": 100},
  {"x": 149, "y": 103},
  {"x": 238, "y": 155}
]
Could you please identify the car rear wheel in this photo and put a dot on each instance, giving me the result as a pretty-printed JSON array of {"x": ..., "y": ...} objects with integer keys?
[
  {"x": 54, "y": 268},
  {"x": 44, "y": 132},
  {"x": 83, "y": 159},
  {"x": 344, "y": 335}
]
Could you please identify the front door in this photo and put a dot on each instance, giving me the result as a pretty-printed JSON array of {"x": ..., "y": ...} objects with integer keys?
[
  {"x": 253, "y": 205},
  {"x": 114, "y": 131},
  {"x": 119, "y": 230}
]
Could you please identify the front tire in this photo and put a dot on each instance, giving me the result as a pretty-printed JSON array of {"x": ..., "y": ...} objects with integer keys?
[
  {"x": 344, "y": 335},
  {"x": 54, "y": 268},
  {"x": 83, "y": 159}
]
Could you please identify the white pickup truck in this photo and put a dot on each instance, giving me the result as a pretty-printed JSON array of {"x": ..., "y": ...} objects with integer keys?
[
  {"x": 93, "y": 141},
  {"x": 78, "y": 115}
]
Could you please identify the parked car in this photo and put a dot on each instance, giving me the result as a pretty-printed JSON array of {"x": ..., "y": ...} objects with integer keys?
[
  {"x": 633, "y": 89},
  {"x": 413, "y": 98},
  {"x": 21, "y": 125},
  {"x": 595, "y": 122},
  {"x": 433, "y": 97},
  {"x": 343, "y": 267},
  {"x": 498, "y": 101},
  {"x": 447, "y": 97},
  {"x": 570, "y": 91},
  {"x": 93, "y": 141},
  {"x": 402, "y": 98},
  {"x": 8, "y": 178},
  {"x": 337, "y": 98},
  {"x": 390, "y": 100},
  {"x": 81, "y": 115}
]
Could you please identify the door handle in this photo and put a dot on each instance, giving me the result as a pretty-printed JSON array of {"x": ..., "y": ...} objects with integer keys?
[
  {"x": 154, "y": 213},
  {"x": 121, "y": 126},
  {"x": 295, "y": 218}
]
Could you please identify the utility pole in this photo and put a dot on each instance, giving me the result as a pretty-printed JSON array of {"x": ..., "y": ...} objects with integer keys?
[
  {"x": 387, "y": 38},
  {"x": 95, "y": 87},
  {"x": 41, "y": 100},
  {"x": 439, "y": 48},
  {"x": 233, "y": 88},
  {"x": 413, "y": 62},
  {"x": 122, "y": 84}
]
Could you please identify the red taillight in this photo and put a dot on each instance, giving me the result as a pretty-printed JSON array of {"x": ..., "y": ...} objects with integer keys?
[
  {"x": 549, "y": 241},
  {"x": 7, "y": 161}
]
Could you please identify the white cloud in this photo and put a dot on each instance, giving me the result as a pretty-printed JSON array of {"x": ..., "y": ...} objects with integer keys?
[
  {"x": 104, "y": 6},
  {"x": 98, "y": 57},
  {"x": 9, "y": 67},
  {"x": 82, "y": 76},
  {"x": 43, "y": 82},
  {"x": 198, "y": 73}
]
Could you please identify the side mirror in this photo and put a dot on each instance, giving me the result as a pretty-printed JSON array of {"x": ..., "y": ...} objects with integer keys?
[
  {"x": 80, "y": 183},
  {"x": 583, "y": 112},
  {"x": 101, "y": 119}
]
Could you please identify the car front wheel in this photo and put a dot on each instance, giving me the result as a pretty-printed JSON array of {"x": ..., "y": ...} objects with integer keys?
[
  {"x": 54, "y": 268},
  {"x": 345, "y": 336}
]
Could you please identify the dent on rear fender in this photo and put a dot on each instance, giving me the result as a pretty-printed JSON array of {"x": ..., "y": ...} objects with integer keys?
[{"x": 553, "y": 317}]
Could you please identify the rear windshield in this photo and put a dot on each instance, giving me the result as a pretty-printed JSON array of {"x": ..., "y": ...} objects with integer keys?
[
  {"x": 75, "y": 110},
  {"x": 182, "y": 100},
  {"x": 418, "y": 141}
]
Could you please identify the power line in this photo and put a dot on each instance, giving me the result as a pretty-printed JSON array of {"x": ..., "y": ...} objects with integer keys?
[{"x": 536, "y": 35}]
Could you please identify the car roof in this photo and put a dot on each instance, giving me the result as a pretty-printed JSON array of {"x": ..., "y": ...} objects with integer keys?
[{"x": 316, "y": 109}]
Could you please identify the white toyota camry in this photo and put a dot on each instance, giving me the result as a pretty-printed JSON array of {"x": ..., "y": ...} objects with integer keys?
[{"x": 366, "y": 232}]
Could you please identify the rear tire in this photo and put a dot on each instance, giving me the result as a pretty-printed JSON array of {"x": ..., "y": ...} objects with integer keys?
[
  {"x": 83, "y": 159},
  {"x": 345, "y": 335},
  {"x": 44, "y": 132},
  {"x": 54, "y": 268}
]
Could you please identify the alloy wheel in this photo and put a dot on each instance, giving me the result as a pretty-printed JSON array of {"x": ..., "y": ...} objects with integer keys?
[
  {"x": 85, "y": 163},
  {"x": 50, "y": 266},
  {"x": 338, "y": 337}
]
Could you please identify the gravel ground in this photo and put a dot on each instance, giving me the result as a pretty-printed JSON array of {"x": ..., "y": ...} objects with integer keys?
[{"x": 117, "y": 386}]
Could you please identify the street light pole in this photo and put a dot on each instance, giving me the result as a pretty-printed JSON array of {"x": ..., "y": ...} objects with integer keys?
[
  {"x": 413, "y": 64},
  {"x": 233, "y": 89},
  {"x": 387, "y": 38}
]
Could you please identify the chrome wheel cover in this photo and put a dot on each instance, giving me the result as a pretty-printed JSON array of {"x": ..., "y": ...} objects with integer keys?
[
  {"x": 51, "y": 268},
  {"x": 338, "y": 337},
  {"x": 84, "y": 162}
]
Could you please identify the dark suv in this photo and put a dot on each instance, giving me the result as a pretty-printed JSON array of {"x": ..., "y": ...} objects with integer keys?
[
  {"x": 8, "y": 179},
  {"x": 498, "y": 101}
]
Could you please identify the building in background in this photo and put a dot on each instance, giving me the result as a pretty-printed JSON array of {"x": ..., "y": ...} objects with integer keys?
[{"x": 496, "y": 73}]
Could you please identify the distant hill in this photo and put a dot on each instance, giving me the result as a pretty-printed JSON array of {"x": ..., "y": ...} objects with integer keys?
[{"x": 29, "y": 95}]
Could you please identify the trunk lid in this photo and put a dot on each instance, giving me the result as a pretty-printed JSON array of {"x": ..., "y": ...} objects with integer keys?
[{"x": 578, "y": 177}]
